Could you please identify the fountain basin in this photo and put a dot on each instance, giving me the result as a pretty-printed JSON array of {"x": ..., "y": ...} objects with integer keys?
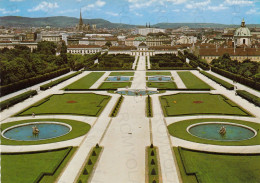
[
  {"x": 210, "y": 131},
  {"x": 136, "y": 92},
  {"x": 159, "y": 78},
  {"x": 118, "y": 78},
  {"x": 48, "y": 130}
]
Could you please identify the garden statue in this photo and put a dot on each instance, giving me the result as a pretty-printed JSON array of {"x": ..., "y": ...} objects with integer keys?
[
  {"x": 160, "y": 78},
  {"x": 222, "y": 131},
  {"x": 118, "y": 78},
  {"x": 35, "y": 130}
]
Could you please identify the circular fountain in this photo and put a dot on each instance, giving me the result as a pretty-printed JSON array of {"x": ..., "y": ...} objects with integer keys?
[
  {"x": 36, "y": 131},
  {"x": 221, "y": 131},
  {"x": 136, "y": 92}
]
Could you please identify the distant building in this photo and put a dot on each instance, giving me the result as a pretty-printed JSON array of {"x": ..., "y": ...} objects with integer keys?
[
  {"x": 51, "y": 37},
  {"x": 146, "y": 30},
  {"x": 83, "y": 49},
  {"x": 84, "y": 27},
  {"x": 242, "y": 35},
  {"x": 10, "y": 45}
]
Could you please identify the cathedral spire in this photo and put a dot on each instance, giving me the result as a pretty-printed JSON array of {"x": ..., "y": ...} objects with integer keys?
[{"x": 80, "y": 19}]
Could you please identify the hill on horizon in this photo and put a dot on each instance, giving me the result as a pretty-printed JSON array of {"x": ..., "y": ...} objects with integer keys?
[{"x": 64, "y": 21}]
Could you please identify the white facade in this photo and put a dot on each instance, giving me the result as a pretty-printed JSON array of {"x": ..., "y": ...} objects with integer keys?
[{"x": 145, "y": 31}]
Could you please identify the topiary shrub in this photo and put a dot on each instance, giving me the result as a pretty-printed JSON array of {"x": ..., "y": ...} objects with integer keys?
[
  {"x": 153, "y": 172},
  {"x": 85, "y": 172},
  {"x": 90, "y": 162}
]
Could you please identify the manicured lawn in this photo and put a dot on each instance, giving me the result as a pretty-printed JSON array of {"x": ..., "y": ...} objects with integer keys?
[
  {"x": 216, "y": 168},
  {"x": 20, "y": 168},
  {"x": 193, "y": 82},
  {"x": 114, "y": 85},
  {"x": 179, "y": 130},
  {"x": 121, "y": 74},
  {"x": 163, "y": 85},
  {"x": 158, "y": 74},
  {"x": 90, "y": 164},
  {"x": 88, "y": 104},
  {"x": 199, "y": 103},
  {"x": 86, "y": 82},
  {"x": 153, "y": 166},
  {"x": 78, "y": 129}
]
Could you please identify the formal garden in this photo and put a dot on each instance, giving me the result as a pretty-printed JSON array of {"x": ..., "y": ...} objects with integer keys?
[{"x": 88, "y": 104}]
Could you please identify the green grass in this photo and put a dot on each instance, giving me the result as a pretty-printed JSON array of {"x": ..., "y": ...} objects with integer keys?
[
  {"x": 21, "y": 167},
  {"x": 218, "y": 168},
  {"x": 114, "y": 85},
  {"x": 88, "y": 104},
  {"x": 162, "y": 85},
  {"x": 121, "y": 74},
  {"x": 151, "y": 166},
  {"x": 158, "y": 74},
  {"x": 78, "y": 129},
  {"x": 51, "y": 179},
  {"x": 179, "y": 130},
  {"x": 86, "y": 82},
  {"x": 193, "y": 82},
  {"x": 89, "y": 168},
  {"x": 199, "y": 103}
]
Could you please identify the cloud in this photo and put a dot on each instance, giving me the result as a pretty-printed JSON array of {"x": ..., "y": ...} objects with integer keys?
[
  {"x": 68, "y": 11},
  {"x": 97, "y": 4},
  {"x": 239, "y": 2},
  {"x": 137, "y": 4},
  {"x": 199, "y": 5},
  {"x": 44, "y": 6},
  {"x": 15, "y": 0},
  {"x": 217, "y": 8},
  {"x": 177, "y": 1},
  {"x": 253, "y": 11},
  {"x": 112, "y": 14},
  {"x": 176, "y": 10},
  {"x": 4, "y": 11}
]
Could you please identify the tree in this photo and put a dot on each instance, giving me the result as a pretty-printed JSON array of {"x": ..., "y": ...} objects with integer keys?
[
  {"x": 108, "y": 43},
  {"x": 47, "y": 48}
]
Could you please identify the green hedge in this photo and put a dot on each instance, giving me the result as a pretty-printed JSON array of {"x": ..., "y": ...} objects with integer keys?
[
  {"x": 218, "y": 80},
  {"x": 149, "y": 109},
  {"x": 194, "y": 64},
  {"x": 58, "y": 81},
  {"x": 238, "y": 78},
  {"x": 4, "y": 90},
  {"x": 117, "y": 106},
  {"x": 248, "y": 96},
  {"x": 14, "y": 100}
]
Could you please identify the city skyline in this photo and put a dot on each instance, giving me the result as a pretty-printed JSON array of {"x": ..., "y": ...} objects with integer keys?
[{"x": 139, "y": 12}]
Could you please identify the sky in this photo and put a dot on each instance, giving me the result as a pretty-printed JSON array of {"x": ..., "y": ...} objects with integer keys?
[{"x": 140, "y": 12}]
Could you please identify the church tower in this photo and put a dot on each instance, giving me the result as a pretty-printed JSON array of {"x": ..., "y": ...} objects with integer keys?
[{"x": 80, "y": 27}]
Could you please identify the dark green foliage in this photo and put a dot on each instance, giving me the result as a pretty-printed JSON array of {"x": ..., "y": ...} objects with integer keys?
[
  {"x": 153, "y": 172},
  {"x": 238, "y": 78},
  {"x": 154, "y": 181},
  {"x": 247, "y": 69},
  {"x": 78, "y": 61},
  {"x": 114, "y": 62},
  {"x": 248, "y": 96},
  {"x": 151, "y": 146},
  {"x": 58, "y": 81},
  {"x": 94, "y": 153},
  {"x": 97, "y": 146},
  {"x": 117, "y": 106},
  {"x": 218, "y": 80},
  {"x": 14, "y": 100},
  {"x": 85, "y": 172},
  {"x": 149, "y": 107},
  {"x": 79, "y": 181},
  {"x": 152, "y": 153},
  {"x": 46, "y": 48},
  {"x": 31, "y": 81},
  {"x": 90, "y": 162},
  {"x": 195, "y": 61},
  {"x": 152, "y": 162},
  {"x": 167, "y": 61}
]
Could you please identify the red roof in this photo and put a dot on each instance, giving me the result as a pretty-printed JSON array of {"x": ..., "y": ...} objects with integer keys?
[
  {"x": 84, "y": 46},
  {"x": 230, "y": 51}
]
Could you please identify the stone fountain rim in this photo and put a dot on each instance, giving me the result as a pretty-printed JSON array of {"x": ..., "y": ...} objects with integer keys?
[{"x": 218, "y": 122}]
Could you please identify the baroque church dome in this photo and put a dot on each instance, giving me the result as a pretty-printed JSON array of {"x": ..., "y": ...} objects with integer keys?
[{"x": 242, "y": 31}]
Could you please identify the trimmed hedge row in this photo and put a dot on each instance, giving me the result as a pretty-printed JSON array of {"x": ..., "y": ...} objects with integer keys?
[
  {"x": 238, "y": 78},
  {"x": 194, "y": 64},
  {"x": 4, "y": 90},
  {"x": 14, "y": 100},
  {"x": 174, "y": 68},
  {"x": 58, "y": 81},
  {"x": 218, "y": 80},
  {"x": 117, "y": 106},
  {"x": 149, "y": 107},
  {"x": 248, "y": 96}
]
